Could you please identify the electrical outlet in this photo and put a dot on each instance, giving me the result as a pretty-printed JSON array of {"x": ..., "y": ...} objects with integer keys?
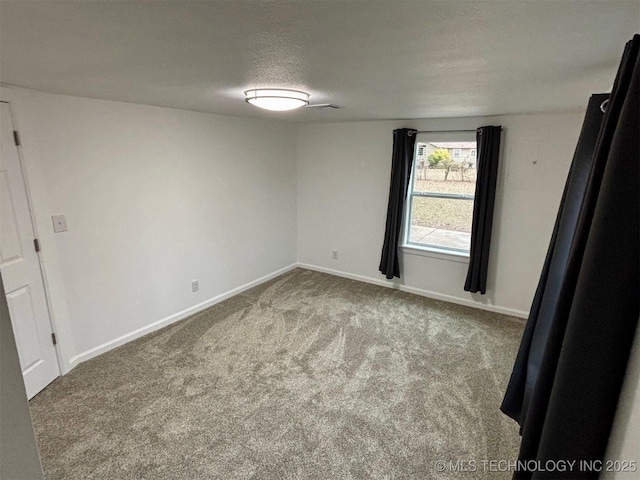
[
  {"x": 195, "y": 286},
  {"x": 59, "y": 223},
  {"x": 334, "y": 254}
]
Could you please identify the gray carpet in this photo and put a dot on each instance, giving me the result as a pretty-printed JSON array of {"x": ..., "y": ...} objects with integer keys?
[{"x": 308, "y": 376}]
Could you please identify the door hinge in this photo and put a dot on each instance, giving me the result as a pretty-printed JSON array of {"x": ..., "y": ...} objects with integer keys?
[
  {"x": 16, "y": 138},
  {"x": 54, "y": 339},
  {"x": 36, "y": 243}
]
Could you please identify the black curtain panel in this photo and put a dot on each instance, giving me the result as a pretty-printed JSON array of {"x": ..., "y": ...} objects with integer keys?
[
  {"x": 401, "y": 163},
  {"x": 536, "y": 338},
  {"x": 566, "y": 382},
  {"x": 488, "y": 139}
]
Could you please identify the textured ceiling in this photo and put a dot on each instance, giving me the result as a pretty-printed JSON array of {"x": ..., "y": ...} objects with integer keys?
[{"x": 375, "y": 59}]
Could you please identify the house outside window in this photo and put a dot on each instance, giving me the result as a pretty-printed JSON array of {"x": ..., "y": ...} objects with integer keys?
[{"x": 440, "y": 196}]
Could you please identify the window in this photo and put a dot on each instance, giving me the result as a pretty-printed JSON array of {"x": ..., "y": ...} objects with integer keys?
[{"x": 440, "y": 197}]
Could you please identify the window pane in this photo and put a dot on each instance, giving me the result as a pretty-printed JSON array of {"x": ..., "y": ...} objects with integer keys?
[
  {"x": 443, "y": 168},
  {"x": 440, "y": 222},
  {"x": 459, "y": 181}
]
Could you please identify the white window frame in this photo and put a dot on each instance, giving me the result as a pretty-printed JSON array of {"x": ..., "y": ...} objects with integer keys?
[
  {"x": 473, "y": 153},
  {"x": 458, "y": 151},
  {"x": 421, "y": 248}
]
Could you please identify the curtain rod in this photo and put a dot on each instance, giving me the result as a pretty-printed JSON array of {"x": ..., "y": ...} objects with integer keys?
[{"x": 415, "y": 132}]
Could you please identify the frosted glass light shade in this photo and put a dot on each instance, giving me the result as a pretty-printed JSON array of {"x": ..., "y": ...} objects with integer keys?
[{"x": 276, "y": 99}]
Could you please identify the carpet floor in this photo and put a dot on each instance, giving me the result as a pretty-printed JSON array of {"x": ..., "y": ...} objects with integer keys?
[{"x": 307, "y": 376}]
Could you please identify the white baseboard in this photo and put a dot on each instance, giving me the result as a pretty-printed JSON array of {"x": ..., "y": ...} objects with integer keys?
[
  {"x": 418, "y": 291},
  {"x": 128, "y": 337}
]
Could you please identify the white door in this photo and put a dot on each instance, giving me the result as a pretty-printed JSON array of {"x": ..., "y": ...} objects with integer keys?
[{"x": 20, "y": 268}]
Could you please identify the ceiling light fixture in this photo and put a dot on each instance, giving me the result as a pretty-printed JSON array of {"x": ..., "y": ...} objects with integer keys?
[{"x": 277, "y": 99}]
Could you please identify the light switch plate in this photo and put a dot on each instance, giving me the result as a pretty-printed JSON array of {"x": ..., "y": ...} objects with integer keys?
[{"x": 59, "y": 223}]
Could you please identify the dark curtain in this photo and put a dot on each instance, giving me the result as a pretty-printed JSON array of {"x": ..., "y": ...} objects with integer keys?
[
  {"x": 567, "y": 378},
  {"x": 401, "y": 162},
  {"x": 488, "y": 139},
  {"x": 536, "y": 335}
]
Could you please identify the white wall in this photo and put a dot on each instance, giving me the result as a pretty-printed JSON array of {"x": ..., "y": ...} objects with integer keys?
[
  {"x": 343, "y": 182},
  {"x": 157, "y": 197},
  {"x": 154, "y": 198},
  {"x": 624, "y": 442}
]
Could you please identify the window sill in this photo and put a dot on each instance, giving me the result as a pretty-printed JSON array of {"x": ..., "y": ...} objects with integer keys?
[{"x": 434, "y": 252}]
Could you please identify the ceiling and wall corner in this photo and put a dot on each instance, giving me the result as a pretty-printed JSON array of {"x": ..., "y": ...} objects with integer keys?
[
  {"x": 377, "y": 60},
  {"x": 388, "y": 60}
]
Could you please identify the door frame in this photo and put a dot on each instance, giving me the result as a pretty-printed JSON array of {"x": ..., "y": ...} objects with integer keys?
[{"x": 34, "y": 226}]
